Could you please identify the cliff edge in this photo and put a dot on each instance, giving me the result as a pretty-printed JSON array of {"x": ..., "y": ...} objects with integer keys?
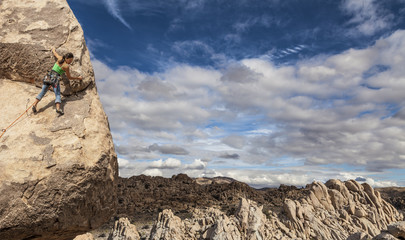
[{"x": 57, "y": 173}]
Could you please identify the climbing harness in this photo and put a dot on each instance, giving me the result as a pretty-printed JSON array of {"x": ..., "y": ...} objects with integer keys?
[{"x": 5, "y": 129}]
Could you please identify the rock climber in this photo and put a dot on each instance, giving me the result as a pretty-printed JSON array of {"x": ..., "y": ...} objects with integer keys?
[{"x": 60, "y": 67}]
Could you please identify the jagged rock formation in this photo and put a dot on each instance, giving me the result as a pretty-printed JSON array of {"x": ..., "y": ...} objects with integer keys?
[
  {"x": 394, "y": 195},
  {"x": 57, "y": 174},
  {"x": 394, "y": 231},
  {"x": 334, "y": 210},
  {"x": 141, "y": 198},
  {"x": 397, "y": 229},
  {"x": 123, "y": 230}
]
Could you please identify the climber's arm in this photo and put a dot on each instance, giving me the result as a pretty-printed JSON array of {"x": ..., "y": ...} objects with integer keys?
[
  {"x": 59, "y": 57},
  {"x": 69, "y": 76}
]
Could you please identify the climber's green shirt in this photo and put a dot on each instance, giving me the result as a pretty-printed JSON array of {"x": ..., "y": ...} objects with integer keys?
[{"x": 58, "y": 69}]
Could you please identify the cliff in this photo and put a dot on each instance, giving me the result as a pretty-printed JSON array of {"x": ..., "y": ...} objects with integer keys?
[{"x": 57, "y": 173}]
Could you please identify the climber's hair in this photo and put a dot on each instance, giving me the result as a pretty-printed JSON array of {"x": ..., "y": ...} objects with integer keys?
[{"x": 66, "y": 56}]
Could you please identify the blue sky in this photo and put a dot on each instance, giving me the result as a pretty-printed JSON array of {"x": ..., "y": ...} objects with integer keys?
[{"x": 267, "y": 92}]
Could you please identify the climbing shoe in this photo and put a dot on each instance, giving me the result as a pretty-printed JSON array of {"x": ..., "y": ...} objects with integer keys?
[
  {"x": 60, "y": 111},
  {"x": 34, "y": 109}
]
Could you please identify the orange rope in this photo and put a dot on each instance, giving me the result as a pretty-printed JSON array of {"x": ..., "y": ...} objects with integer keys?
[{"x": 4, "y": 130}]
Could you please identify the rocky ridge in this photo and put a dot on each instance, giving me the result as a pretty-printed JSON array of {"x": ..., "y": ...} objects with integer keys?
[
  {"x": 57, "y": 173},
  {"x": 334, "y": 210},
  {"x": 141, "y": 198},
  {"x": 395, "y": 196}
]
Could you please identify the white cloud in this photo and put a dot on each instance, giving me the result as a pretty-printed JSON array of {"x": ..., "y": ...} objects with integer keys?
[
  {"x": 299, "y": 176},
  {"x": 257, "y": 176},
  {"x": 324, "y": 110},
  {"x": 368, "y": 16},
  {"x": 197, "y": 164},
  {"x": 169, "y": 163},
  {"x": 237, "y": 142},
  {"x": 165, "y": 168},
  {"x": 376, "y": 184},
  {"x": 168, "y": 149},
  {"x": 187, "y": 48},
  {"x": 114, "y": 10},
  {"x": 131, "y": 103},
  {"x": 153, "y": 172},
  {"x": 123, "y": 163}
]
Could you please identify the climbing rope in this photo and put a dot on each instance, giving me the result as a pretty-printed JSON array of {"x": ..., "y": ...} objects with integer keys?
[{"x": 5, "y": 129}]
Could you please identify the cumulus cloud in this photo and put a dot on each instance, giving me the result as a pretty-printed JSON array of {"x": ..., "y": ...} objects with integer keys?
[
  {"x": 123, "y": 162},
  {"x": 166, "y": 168},
  {"x": 197, "y": 164},
  {"x": 153, "y": 172},
  {"x": 131, "y": 102},
  {"x": 258, "y": 178},
  {"x": 239, "y": 73},
  {"x": 339, "y": 109},
  {"x": 328, "y": 113},
  {"x": 168, "y": 149},
  {"x": 169, "y": 163}
]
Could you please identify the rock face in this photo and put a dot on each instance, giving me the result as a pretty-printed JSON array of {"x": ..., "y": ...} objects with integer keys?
[
  {"x": 57, "y": 173},
  {"x": 123, "y": 230},
  {"x": 394, "y": 231},
  {"x": 397, "y": 229},
  {"x": 334, "y": 210},
  {"x": 29, "y": 30},
  {"x": 87, "y": 236},
  {"x": 394, "y": 195}
]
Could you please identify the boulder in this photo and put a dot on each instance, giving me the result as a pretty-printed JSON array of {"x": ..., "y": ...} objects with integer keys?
[
  {"x": 57, "y": 173},
  {"x": 29, "y": 30},
  {"x": 123, "y": 230},
  {"x": 87, "y": 236},
  {"x": 359, "y": 236},
  {"x": 397, "y": 229},
  {"x": 291, "y": 209},
  {"x": 321, "y": 193},
  {"x": 168, "y": 226},
  {"x": 338, "y": 185},
  {"x": 251, "y": 221},
  {"x": 384, "y": 236}
]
